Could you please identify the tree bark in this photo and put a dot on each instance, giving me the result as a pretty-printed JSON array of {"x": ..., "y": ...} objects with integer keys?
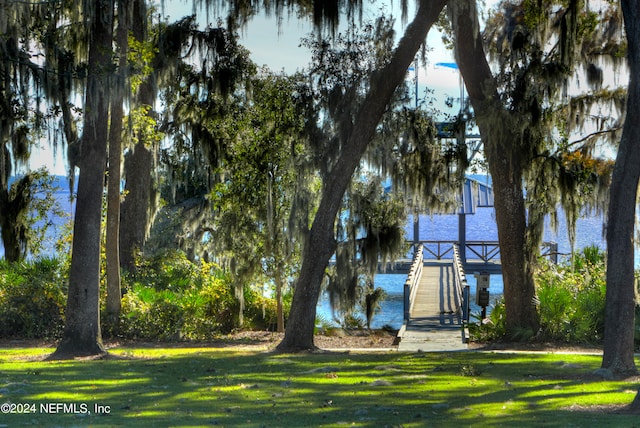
[
  {"x": 620, "y": 294},
  {"x": 112, "y": 245},
  {"x": 320, "y": 243},
  {"x": 138, "y": 207},
  {"x": 506, "y": 167},
  {"x": 135, "y": 208},
  {"x": 82, "y": 335}
]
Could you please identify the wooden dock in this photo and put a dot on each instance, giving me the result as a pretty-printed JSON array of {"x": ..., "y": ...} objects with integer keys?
[
  {"x": 436, "y": 297},
  {"x": 435, "y": 322}
]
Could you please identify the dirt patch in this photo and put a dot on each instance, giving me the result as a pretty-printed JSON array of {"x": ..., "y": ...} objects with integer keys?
[
  {"x": 553, "y": 347},
  {"x": 614, "y": 409},
  {"x": 333, "y": 339}
]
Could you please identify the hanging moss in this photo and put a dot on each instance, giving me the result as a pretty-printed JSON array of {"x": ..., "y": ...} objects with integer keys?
[{"x": 537, "y": 47}]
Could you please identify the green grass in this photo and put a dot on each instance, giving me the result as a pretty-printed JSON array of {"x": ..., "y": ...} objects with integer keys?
[{"x": 231, "y": 388}]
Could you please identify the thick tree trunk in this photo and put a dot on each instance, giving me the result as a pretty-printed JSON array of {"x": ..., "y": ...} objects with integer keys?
[
  {"x": 320, "y": 243},
  {"x": 13, "y": 251},
  {"x": 502, "y": 151},
  {"x": 82, "y": 328},
  {"x": 519, "y": 287},
  {"x": 620, "y": 295}
]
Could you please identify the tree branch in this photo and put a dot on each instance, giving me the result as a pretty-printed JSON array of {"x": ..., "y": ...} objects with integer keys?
[{"x": 594, "y": 134}]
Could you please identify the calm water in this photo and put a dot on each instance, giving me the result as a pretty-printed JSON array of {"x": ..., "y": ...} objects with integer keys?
[{"x": 480, "y": 226}]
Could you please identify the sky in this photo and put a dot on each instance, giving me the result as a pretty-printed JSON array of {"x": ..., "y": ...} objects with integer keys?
[{"x": 278, "y": 48}]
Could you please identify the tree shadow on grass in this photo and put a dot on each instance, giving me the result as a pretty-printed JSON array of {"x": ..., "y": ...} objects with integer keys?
[{"x": 172, "y": 386}]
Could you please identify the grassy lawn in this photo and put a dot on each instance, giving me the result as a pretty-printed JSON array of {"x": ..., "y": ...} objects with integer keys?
[{"x": 231, "y": 388}]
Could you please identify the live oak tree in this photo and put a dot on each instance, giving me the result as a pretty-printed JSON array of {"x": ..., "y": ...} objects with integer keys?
[
  {"x": 139, "y": 206},
  {"x": 540, "y": 58},
  {"x": 357, "y": 130},
  {"x": 369, "y": 225},
  {"x": 252, "y": 229},
  {"x": 517, "y": 113}
]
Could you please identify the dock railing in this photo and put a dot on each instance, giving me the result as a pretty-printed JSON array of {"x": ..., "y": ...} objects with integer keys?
[
  {"x": 411, "y": 284},
  {"x": 486, "y": 251},
  {"x": 460, "y": 284}
]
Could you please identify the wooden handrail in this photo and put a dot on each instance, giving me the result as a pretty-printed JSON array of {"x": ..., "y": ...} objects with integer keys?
[
  {"x": 411, "y": 283},
  {"x": 460, "y": 283}
]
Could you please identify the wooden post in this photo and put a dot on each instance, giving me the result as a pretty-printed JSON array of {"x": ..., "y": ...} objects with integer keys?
[
  {"x": 462, "y": 237},
  {"x": 416, "y": 230}
]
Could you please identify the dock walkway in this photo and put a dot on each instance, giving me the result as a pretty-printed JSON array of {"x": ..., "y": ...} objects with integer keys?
[{"x": 435, "y": 322}]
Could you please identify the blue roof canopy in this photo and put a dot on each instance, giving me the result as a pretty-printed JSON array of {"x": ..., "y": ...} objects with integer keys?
[{"x": 475, "y": 195}]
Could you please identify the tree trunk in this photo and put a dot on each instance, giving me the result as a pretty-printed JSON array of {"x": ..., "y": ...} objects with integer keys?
[
  {"x": 280, "y": 281},
  {"x": 135, "y": 209},
  {"x": 620, "y": 295},
  {"x": 82, "y": 328},
  {"x": 320, "y": 243},
  {"x": 138, "y": 207},
  {"x": 502, "y": 151},
  {"x": 112, "y": 245}
]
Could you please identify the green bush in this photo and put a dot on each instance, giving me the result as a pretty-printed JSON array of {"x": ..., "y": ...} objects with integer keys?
[
  {"x": 572, "y": 298},
  {"x": 148, "y": 314},
  {"x": 491, "y": 328},
  {"x": 170, "y": 298},
  {"x": 571, "y": 302},
  {"x": 169, "y": 270},
  {"x": 32, "y": 299}
]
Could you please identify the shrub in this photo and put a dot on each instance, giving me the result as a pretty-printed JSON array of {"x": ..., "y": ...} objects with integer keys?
[
  {"x": 571, "y": 302},
  {"x": 170, "y": 298},
  {"x": 32, "y": 299},
  {"x": 491, "y": 328},
  {"x": 572, "y": 298},
  {"x": 149, "y": 314}
]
